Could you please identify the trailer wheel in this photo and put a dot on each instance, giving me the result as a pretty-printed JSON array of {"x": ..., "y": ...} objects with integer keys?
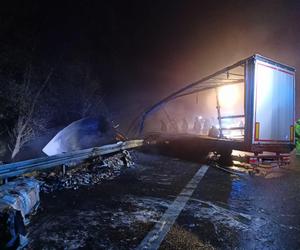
[{"x": 225, "y": 157}]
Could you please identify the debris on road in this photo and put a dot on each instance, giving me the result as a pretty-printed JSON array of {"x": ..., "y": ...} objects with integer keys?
[
  {"x": 264, "y": 168},
  {"x": 22, "y": 195},
  {"x": 86, "y": 174},
  {"x": 20, "y": 198}
]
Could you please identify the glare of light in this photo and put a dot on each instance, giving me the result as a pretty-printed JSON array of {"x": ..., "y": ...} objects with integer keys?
[
  {"x": 53, "y": 147},
  {"x": 227, "y": 125},
  {"x": 228, "y": 95},
  {"x": 199, "y": 117},
  {"x": 264, "y": 79}
]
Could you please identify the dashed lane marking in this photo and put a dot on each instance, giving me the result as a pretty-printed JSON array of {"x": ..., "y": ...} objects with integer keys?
[{"x": 155, "y": 237}]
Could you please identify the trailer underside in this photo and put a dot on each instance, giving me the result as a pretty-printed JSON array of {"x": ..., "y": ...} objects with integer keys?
[{"x": 210, "y": 144}]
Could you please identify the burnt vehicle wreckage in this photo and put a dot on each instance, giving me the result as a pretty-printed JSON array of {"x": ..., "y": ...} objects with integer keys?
[
  {"x": 23, "y": 181},
  {"x": 248, "y": 106}
]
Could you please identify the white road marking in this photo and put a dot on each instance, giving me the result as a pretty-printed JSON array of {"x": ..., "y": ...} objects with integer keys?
[{"x": 155, "y": 237}]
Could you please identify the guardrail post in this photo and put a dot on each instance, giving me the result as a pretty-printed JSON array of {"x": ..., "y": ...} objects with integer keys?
[{"x": 63, "y": 169}]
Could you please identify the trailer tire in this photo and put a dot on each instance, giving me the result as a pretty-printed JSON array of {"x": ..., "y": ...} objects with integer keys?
[{"x": 225, "y": 158}]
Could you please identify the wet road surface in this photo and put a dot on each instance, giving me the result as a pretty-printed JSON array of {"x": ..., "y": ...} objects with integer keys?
[{"x": 224, "y": 212}]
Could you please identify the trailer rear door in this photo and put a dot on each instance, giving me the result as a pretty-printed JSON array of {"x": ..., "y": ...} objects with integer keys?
[{"x": 274, "y": 104}]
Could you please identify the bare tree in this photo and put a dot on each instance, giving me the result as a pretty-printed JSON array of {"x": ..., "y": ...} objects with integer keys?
[{"x": 25, "y": 98}]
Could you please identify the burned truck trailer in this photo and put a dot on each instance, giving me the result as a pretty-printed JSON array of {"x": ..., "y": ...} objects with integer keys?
[{"x": 248, "y": 106}]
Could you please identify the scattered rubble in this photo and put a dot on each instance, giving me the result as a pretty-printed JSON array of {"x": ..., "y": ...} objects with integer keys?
[
  {"x": 240, "y": 166},
  {"x": 20, "y": 198},
  {"x": 86, "y": 174}
]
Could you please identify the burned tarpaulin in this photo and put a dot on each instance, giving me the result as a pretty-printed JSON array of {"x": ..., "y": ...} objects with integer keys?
[{"x": 82, "y": 134}]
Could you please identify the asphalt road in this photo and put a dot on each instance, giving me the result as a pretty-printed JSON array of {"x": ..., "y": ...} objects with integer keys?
[{"x": 224, "y": 211}]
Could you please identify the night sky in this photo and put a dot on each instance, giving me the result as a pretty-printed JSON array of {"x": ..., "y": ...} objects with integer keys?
[{"x": 142, "y": 50}]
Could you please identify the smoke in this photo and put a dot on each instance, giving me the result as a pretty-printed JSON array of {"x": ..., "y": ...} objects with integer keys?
[
  {"x": 199, "y": 39},
  {"x": 142, "y": 51}
]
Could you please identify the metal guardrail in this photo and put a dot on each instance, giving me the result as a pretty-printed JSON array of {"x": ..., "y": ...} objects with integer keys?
[{"x": 38, "y": 164}]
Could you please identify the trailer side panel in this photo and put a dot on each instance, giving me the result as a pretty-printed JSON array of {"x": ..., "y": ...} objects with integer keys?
[{"x": 273, "y": 120}]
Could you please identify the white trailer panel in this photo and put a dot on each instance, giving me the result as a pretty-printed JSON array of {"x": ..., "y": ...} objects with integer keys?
[{"x": 274, "y": 104}]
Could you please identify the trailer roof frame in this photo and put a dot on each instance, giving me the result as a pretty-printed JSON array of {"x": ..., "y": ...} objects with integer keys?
[{"x": 179, "y": 93}]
